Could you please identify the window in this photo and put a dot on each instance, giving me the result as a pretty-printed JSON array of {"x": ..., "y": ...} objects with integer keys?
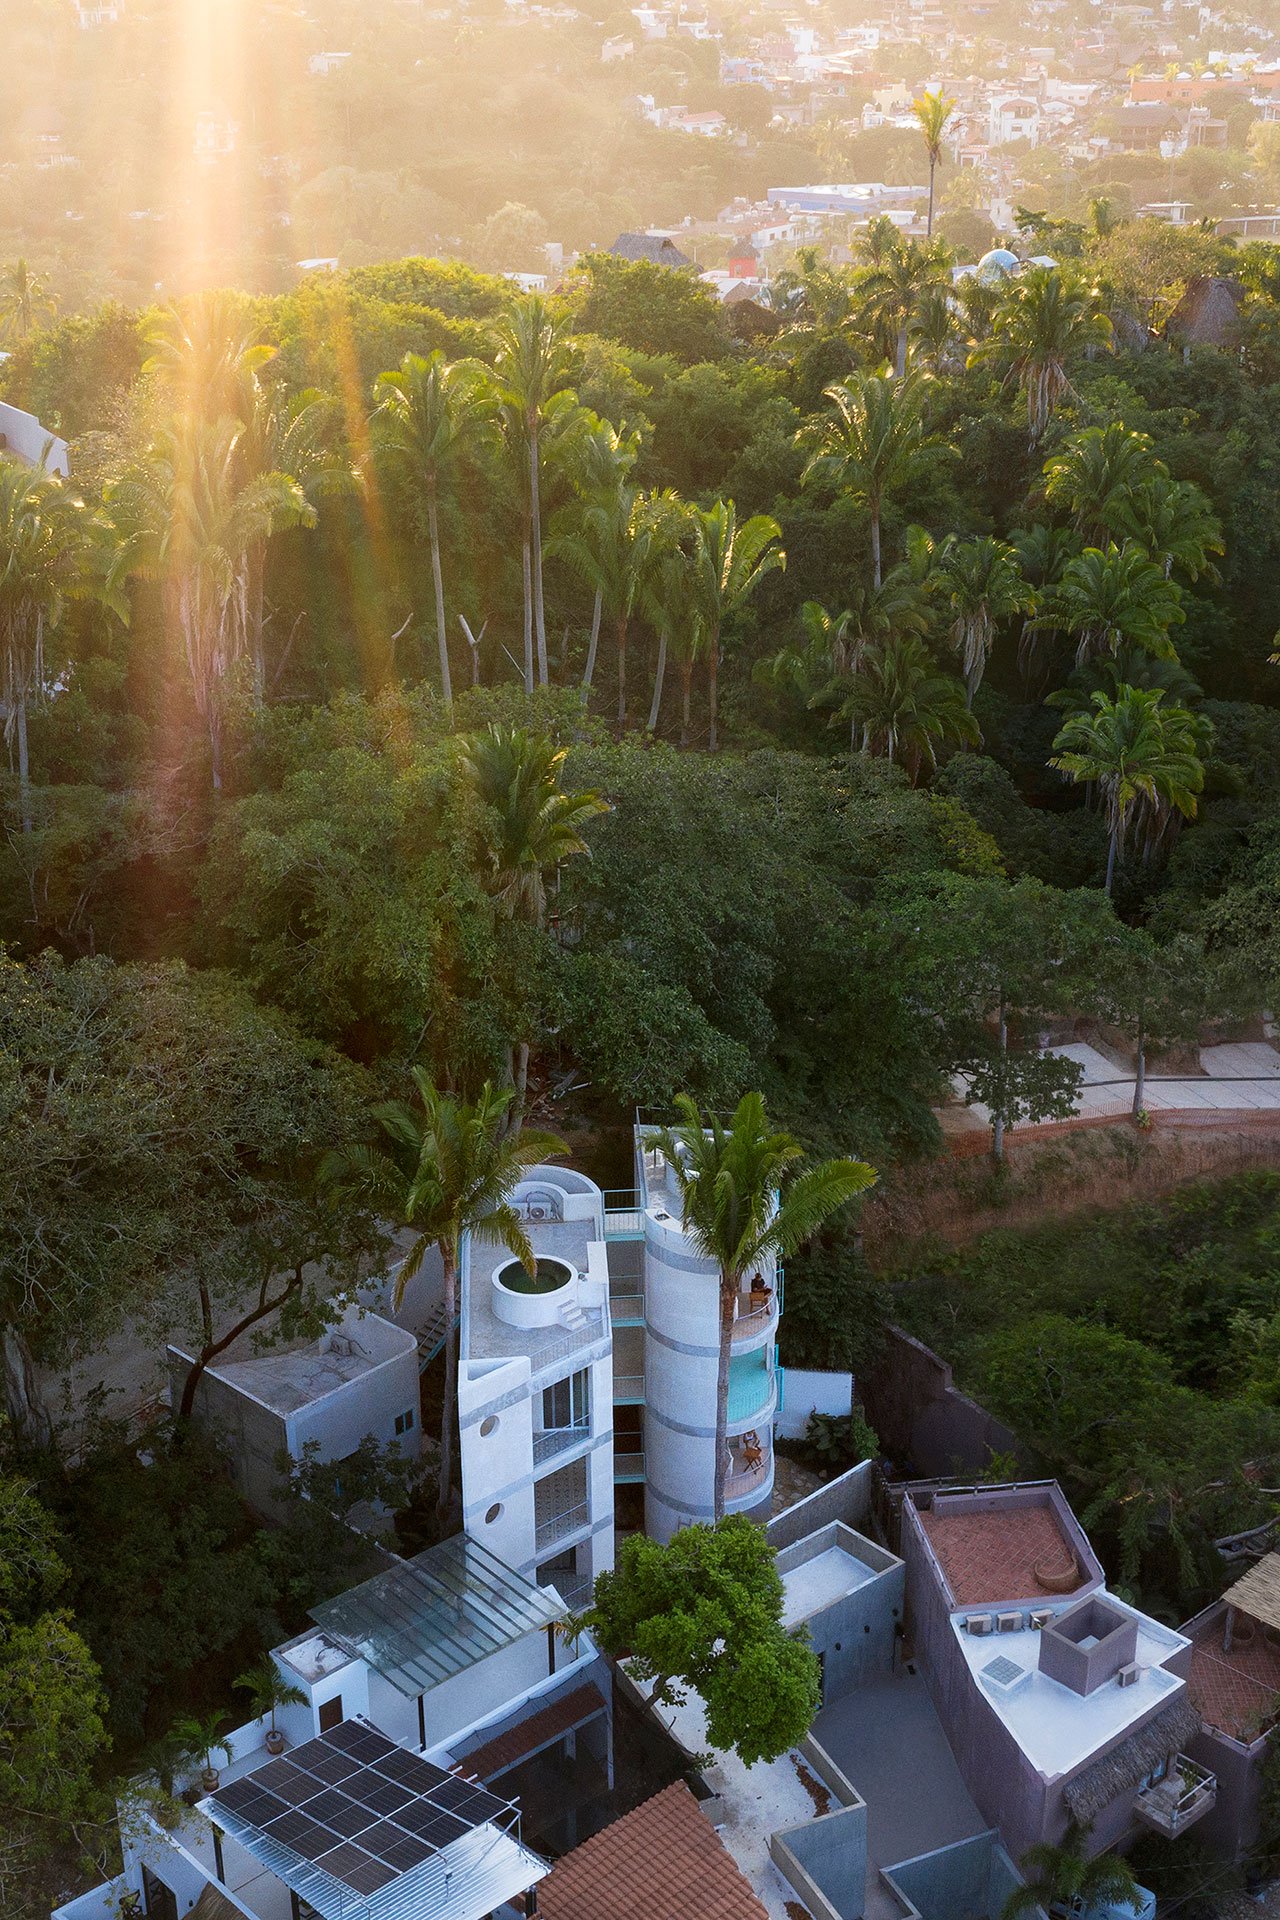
[
  {"x": 568, "y": 1402},
  {"x": 331, "y": 1714},
  {"x": 494, "y": 1513},
  {"x": 157, "y": 1897},
  {"x": 404, "y": 1422}
]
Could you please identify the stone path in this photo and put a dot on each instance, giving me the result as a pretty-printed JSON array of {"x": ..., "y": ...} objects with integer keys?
[{"x": 1241, "y": 1078}]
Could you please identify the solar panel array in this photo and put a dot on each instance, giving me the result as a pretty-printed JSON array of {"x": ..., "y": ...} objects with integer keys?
[{"x": 356, "y": 1806}]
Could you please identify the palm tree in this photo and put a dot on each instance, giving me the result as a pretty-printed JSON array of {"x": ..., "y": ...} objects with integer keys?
[
  {"x": 1049, "y": 318},
  {"x": 1134, "y": 749},
  {"x": 208, "y": 354},
  {"x": 606, "y": 457},
  {"x": 26, "y": 303},
  {"x": 268, "y": 1691},
  {"x": 874, "y": 446},
  {"x": 933, "y": 329},
  {"x": 747, "y": 1199},
  {"x": 1061, "y": 1877},
  {"x": 448, "y": 1169},
  {"x": 531, "y": 824},
  {"x": 982, "y": 585},
  {"x": 665, "y": 591},
  {"x": 427, "y": 416},
  {"x": 608, "y": 547},
  {"x": 47, "y": 542},
  {"x": 1176, "y": 524},
  {"x": 729, "y": 562},
  {"x": 891, "y": 294},
  {"x": 187, "y": 518},
  {"x": 1097, "y": 476},
  {"x": 1107, "y": 598},
  {"x": 533, "y": 365},
  {"x": 836, "y": 645},
  {"x": 932, "y": 111},
  {"x": 904, "y": 707}
]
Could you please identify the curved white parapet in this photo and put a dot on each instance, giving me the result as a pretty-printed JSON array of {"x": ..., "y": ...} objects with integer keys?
[{"x": 533, "y": 1309}]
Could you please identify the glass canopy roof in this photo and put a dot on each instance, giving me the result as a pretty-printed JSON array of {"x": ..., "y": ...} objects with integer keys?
[{"x": 434, "y": 1616}]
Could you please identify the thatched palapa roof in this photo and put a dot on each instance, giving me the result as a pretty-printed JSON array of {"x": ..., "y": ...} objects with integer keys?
[
  {"x": 1257, "y": 1592},
  {"x": 1121, "y": 1770}
]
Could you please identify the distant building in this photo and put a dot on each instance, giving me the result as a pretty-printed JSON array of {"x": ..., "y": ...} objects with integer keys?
[
  {"x": 23, "y": 438},
  {"x": 658, "y": 248},
  {"x": 858, "y": 199},
  {"x": 215, "y": 136},
  {"x": 326, "y": 62}
]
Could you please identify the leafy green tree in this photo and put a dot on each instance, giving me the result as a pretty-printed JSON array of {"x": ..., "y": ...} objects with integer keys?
[
  {"x": 1135, "y": 749},
  {"x": 747, "y": 1198},
  {"x": 447, "y": 1169},
  {"x": 704, "y": 1612},
  {"x": 428, "y": 415},
  {"x": 1050, "y": 318},
  {"x": 729, "y": 561},
  {"x": 1109, "y": 598},
  {"x": 932, "y": 112},
  {"x": 268, "y": 1690},
  {"x": 1062, "y": 1877},
  {"x": 651, "y": 309},
  {"x": 610, "y": 548},
  {"x": 876, "y": 444}
]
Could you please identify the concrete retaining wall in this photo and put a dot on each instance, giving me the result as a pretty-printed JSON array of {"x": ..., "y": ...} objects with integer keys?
[
  {"x": 923, "y": 1420},
  {"x": 809, "y": 1392}
]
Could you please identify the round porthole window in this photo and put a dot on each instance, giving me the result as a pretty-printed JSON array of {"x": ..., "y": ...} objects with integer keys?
[
  {"x": 488, "y": 1425},
  {"x": 494, "y": 1513}
]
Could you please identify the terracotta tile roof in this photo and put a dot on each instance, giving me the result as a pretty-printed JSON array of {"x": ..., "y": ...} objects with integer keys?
[
  {"x": 663, "y": 1861},
  {"x": 527, "y": 1736},
  {"x": 1000, "y": 1555},
  {"x": 1237, "y": 1692}
]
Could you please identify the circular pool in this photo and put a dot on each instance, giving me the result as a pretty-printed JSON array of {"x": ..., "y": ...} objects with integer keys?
[{"x": 523, "y": 1299}]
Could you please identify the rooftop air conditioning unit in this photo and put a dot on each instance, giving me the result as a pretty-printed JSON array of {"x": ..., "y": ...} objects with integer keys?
[
  {"x": 1128, "y": 1675},
  {"x": 1008, "y": 1623},
  {"x": 1039, "y": 1617},
  {"x": 979, "y": 1623}
]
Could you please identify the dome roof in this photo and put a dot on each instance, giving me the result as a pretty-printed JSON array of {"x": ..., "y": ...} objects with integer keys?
[{"x": 996, "y": 264}]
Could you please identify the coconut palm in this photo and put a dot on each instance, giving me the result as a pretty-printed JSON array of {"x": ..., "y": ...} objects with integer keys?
[
  {"x": 1108, "y": 597},
  {"x": 446, "y": 1168},
  {"x": 531, "y": 825},
  {"x": 836, "y": 645},
  {"x": 47, "y": 543},
  {"x": 728, "y": 563},
  {"x": 187, "y": 519},
  {"x": 873, "y": 446},
  {"x": 533, "y": 365},
  {"x": 673, "y": 528},
  {"x": 932, "y": 112},
  {"x": 933, "y": 329},
  {"x": 1061, "y": 1878},
  {"x": 891, "y": 294},
  {"x": 904, "y": 708},
  {"x": 26, "y": 303},
  {"x": 607, "y": 544},
  {"x": 1096, "y": 477},
  {"x": 981, "y": 585},
  {"x": 1049, "y": 318},
  {"x": 1176, "y": 524},
  {"x": 1133, "y": 748},
  {"x": 208, "y": 354},
  {"x": 747, "y": 1198},
  {"x": 605, "y": 459},
  {"x": 428, "y": 415}
]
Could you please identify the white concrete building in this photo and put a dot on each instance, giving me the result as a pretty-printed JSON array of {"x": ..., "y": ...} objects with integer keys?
[
  {"x": 536, "y": 1389},
  {"x": 672, "y": 1356},
  {"x": 359, "y": 1379},
  {"x": 23, "y": 438}
]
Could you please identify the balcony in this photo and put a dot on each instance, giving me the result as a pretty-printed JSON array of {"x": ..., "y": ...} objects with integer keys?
[
  {"x": 749, "y": 1474},
  {"x": 1176, "y": 1802},
  {"x": 751, "y": 1388},
  {"x": 626, "y": 1305},
  {"x": 628, "y": 1389},
  {"x": 558, "y": 1524},
  {"x": 628, "y": 1468},
  {"x": 623, "y": 1215},
  {"x": 549, "y": 1441}
]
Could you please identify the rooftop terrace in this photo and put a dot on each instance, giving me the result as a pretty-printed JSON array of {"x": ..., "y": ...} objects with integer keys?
[
  {"x": 1010, "y": 1552},
  {"x": 1236, "y": 1692},
  {"x": 486, "y": 1337}
]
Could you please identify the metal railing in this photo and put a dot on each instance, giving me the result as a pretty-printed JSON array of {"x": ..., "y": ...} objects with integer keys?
[
  {"x": 1173, "y": 1803},
  {"x": 626, "y": 1308},
  {"x": 551, "y": 1527},
  {"x": 628, "y": 1389},
  {"x": 629, "y": 1466},
  {"x": 552, "y": 1440}
]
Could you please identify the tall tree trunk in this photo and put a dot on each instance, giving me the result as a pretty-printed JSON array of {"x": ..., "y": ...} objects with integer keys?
[
  {"x": 622, "y": 669},
  {"x": 211, "y": 1348},
  {"x": 437, "y": 579},
  {"x": 900, "y": 359},
  {"x": 215, "y": 742},
  {"x": 728, "y": 1292},
  {"x": 875, "y": 544},
  {"x": 686, "y": 691},
  {"x": 28, "y": 1415},
  {"x": 527, "y": 569},
  {"x": 593, "y": 644},
  {"x": 445, "y": 1488},
  {"x": 1140, "y": 1076},
  {"x": 24, "y": 759},
  {"x": 535, "y": 518},
  {"x": 713, "y": 689},
  {"x": 659, "y": 674},
  {"x": 928, "y": 231},
  {"x": 520, "y": 1080},
  {"x": 997, "y": 1118},
  {"x": 255, "y": 595},
  {"x": 1111, "y": 859}
]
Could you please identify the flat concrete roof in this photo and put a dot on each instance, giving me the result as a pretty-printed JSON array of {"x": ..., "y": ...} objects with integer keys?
[
  {"x": 488, "y": 1338},
  {"x": 287, "y": 1378},
  {"x": 888, "y": 1742},
  {"x": 1056, "y": 1727}
]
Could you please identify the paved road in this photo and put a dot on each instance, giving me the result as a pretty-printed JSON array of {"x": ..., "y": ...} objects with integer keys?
[{"x": 1244, "y": 1077}]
